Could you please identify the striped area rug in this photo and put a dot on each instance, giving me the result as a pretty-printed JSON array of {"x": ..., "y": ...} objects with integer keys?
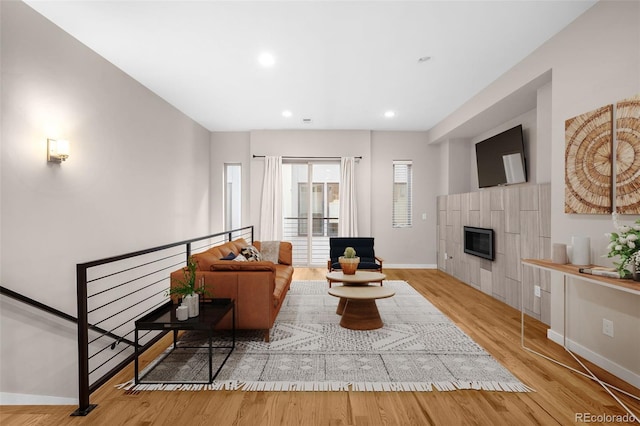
[{"x": 417, "y": 349}]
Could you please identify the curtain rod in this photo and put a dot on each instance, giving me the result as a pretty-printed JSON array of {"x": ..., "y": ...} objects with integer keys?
[{"x": 311, "y": 158}]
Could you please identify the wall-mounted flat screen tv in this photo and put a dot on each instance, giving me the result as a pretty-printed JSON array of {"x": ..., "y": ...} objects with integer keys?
[{"x": 501, "y": 159}]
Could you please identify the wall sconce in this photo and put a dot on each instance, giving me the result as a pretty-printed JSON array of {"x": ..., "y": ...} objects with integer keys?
[{"x": 57, "y": 150}]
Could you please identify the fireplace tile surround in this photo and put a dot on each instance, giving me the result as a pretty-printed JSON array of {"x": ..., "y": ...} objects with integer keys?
[{"x": 521, "y": 219}]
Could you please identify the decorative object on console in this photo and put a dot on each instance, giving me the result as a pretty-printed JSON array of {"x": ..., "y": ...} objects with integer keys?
[
  {"x": 588, "y": 162},
  {"x": 628, "y": 156},
  {"x": 625, "y": 244},
  {"x": 581, "y": 247},
  {"x": 634, "y": 263},
  {"x": 349, "y": 261},
  {"x": 559, "y": 254}
]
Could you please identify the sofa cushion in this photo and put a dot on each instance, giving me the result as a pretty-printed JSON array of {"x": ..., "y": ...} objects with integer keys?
[
  {"x": 238, "y": 245},
  {"x": 251, "y": 253},
  {"x": 225, "y": 265},
  {"x": 229, "y": 256},
  {"x": 204, "y": 260},
  {"x": 269, "y": 250},
  {"x": 286, "y": 253},
  {"x": 284, "y": 274}
]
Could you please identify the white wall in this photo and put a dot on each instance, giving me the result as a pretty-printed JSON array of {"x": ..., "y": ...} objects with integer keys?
[
  {"x": 595, "y": 61},
  {"x": 541, "y": 150},
  {"x": 137, "y": 177},
  {"x": 414, "y": 246},
  {"x": 396, "y": 246},
  {"x": 226, "y": 148}
]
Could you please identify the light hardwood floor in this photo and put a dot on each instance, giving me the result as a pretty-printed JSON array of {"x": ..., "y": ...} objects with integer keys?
[{"x": 559, "y": 393}]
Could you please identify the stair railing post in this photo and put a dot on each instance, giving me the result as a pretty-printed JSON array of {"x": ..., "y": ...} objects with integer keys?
[{"x": 84, "y": 407}]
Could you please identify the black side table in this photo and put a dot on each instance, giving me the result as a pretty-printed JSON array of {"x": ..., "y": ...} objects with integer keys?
[{"x": 212, "y": 311}]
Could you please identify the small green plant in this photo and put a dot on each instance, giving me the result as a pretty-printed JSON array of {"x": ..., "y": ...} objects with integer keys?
[
  {"x": 349, "y": 252},
  {"x": 187, "y": 285}
]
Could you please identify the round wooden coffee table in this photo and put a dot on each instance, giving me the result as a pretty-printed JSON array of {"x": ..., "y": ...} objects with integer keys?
[
  {"x": 360, "y": 310},
  {"x": 359, "y": 278}
]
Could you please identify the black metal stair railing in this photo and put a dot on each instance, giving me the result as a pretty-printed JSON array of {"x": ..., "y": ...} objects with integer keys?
[
  {"x": 114, "y": 292},
  {"x": 55, "y": 312},
  {"x": 111, "y": 294}
]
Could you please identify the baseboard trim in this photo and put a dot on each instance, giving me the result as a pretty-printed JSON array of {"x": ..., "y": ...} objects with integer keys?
[
  {"x": 409, "y": 266},
  {"x": 7, "y": 398},
  {"x": 602, "y": 362}
]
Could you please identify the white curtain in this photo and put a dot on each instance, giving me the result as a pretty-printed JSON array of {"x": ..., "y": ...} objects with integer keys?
[
  {"x": 348, "y": 210},
  {"x": 271, "y": 208}
]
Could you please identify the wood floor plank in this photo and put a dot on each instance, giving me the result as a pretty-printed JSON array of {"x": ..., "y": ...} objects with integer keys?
[{"x": 559, "y": 393}]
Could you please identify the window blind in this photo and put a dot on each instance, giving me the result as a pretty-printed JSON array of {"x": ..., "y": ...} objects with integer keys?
[{"x": 402, "y": 205}]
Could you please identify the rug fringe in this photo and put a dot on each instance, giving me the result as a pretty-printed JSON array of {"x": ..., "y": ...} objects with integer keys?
[{"x": 250, "y": 386}]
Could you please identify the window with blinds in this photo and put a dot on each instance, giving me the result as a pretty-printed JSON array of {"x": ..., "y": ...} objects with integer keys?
[{"x": 402, "y": 209}]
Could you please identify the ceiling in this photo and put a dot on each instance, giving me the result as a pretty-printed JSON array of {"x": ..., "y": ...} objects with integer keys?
[{"x": 338, "y": 64}]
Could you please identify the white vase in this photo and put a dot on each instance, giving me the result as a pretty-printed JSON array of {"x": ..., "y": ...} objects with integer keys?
[
  {"x": 635, "y": 274},
  {"x": 182, "y": 313},
  {"x": 581, "y": 250},
  {"x": 191, "y": 300},
  {"x": 559, "y": 253}
]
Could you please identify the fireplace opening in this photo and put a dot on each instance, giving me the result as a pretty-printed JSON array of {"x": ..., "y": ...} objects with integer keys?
[{"x": 479, "y": 242}]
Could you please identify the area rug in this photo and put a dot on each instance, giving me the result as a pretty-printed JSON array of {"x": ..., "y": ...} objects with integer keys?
[{"x": 417, "y": 349}]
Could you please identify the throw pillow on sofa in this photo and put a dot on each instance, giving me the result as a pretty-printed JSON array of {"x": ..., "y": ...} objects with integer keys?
[
  {"x": 270, "y": 250},
  {"x": 230, "y": 256},
  {"x": 251, "y": 253}
]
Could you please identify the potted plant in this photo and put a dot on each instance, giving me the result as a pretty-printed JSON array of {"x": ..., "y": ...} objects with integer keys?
[
  {"x": 349, "y": 261},
  {"x": 625, "y": 243},
  {"x": 186, "y": 288}
]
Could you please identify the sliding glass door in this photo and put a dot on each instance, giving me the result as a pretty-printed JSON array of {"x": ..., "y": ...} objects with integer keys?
[{"x": 311, "y": 203}]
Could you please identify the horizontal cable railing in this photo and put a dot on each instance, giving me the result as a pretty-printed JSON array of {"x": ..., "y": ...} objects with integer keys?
[
  {"x": 296, "y": 230},
  {"x": 114, "y": 292}
]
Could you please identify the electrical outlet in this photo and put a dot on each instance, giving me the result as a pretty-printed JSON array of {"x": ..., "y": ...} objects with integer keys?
[
  {"x": 536, "y": 291},
  {"x": 446, "y": 256},
  {"x": 607, "y": 327}
]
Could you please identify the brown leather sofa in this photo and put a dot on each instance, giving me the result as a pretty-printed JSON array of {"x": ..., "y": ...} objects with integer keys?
[{"x": 258, "y": 287}]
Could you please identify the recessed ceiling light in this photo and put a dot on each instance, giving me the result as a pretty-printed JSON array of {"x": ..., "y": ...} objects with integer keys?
[
  {"x": 389, "y": 114},
  {"x": 424, "y": 59},
  {"x": 286, "y": 113},
  {"x": 266, "y": 59}
]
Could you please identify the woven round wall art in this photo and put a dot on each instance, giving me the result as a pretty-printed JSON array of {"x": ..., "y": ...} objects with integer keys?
[
  {"x": 588, "y": 162},
  {"x": 628, "y": 156}
]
